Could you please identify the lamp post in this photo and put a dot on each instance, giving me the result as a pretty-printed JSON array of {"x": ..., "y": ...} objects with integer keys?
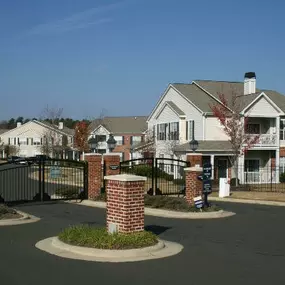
[
  {"x": 111, "y": 142},
  {"x": 92, "y": 144},
  {"x": 193, "y": 145}
]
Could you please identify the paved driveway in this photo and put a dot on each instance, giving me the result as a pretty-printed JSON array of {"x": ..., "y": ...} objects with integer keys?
[{"x": 245, "y": 249}]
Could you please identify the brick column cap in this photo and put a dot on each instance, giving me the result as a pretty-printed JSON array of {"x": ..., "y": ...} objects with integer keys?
[
  {"x": 125, "y": 177},
  {"x": 193, "y": 169},
  {"x": 92, "y": 154},
  {"x": 111, "y": 154},
  {"x": 194, "y": 153}
]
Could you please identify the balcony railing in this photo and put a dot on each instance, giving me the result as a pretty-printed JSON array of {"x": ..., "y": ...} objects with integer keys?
[{"x": 265, "y": 139}]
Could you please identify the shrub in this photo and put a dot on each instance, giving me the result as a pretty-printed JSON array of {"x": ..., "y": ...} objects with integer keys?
[
  {"x": 68, "y": 192},
  {"x": 234, "y": 181},
  {"x": 88, "y": 236}
]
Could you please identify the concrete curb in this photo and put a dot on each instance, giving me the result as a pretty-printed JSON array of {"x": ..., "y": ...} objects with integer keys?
[
  {"x": 165, "y": 213},
  {"x": 56, "y": 247},
  {"x": 247, "y": 201},
  {"x": 25, "y": 219}
]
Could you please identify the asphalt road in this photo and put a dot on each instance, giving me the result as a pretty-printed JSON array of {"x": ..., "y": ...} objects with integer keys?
[
  {"x": 16, "y": 184},
  {"x": 244, "y": 249}
]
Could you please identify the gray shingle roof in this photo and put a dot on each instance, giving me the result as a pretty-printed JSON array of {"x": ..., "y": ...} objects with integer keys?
[
  {"x": 193, "y": 93},
  {"x": 206, "y": 146},
  {"x": 177, "y": 110},
  {"x": 65, "y": 130},
  {"x": 2, "y": 131},
  {"x": 122, "y": 125}
]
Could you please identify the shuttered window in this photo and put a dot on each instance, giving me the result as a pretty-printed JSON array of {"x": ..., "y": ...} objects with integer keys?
[{"x": 191, "y": 130}]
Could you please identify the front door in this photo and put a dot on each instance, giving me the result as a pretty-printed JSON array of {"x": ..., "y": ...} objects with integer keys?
[{"x": 222, "y": 168}]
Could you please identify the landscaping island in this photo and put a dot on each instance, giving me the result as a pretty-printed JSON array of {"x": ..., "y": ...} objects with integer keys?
[
  {"x": 92, "y": 237},
  {"x": 8, "y": 213}
]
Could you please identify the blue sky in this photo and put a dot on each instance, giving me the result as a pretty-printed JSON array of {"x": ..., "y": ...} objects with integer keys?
[{"x": 119, "y": 56}]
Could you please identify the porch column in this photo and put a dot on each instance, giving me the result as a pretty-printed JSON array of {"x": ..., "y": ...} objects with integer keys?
[
  {"x": 73, "y": 155},
  {"x": 213, "y": 166},
  {"x": 240, "y": 170},
  {"x": 277, "y": 165}
]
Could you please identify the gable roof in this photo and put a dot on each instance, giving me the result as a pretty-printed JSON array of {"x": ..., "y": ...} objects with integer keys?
[
  {"x": 121, "y": 125},
  {"x": 65, "y": 130},
  {"x": 174, "y": 107},
  {"x": 206, "y": 146},
  {"x": 2, "y": 131}
]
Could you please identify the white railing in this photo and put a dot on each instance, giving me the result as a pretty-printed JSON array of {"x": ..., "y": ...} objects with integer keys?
[{"x": 265, "y": 139}]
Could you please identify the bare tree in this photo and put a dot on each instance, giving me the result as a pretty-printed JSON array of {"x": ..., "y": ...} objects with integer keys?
[
  {"x": 52, "y": 141},
  {"x": 235, "y": 126}
]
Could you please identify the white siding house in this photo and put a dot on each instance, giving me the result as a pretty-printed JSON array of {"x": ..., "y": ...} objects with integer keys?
[{"x": 189, "y": 107}]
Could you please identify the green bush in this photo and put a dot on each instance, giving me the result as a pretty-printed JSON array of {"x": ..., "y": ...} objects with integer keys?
[
  {"x": 68, "y": 192},
  {"x": 282, "y": 177},
  {"x": 88, "y": 236}
]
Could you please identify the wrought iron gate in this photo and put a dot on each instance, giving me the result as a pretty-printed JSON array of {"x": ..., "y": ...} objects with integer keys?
[
  {"x": 165, "y": 176},
  {"x": 43, "y": 179}
]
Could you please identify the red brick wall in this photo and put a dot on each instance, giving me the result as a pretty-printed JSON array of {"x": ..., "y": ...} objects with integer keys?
[
  {"x": 125, "y": 148},
  {"x": 94, "y": 174},
  {"x": 194, "y": 186},
  {"x": 194, "y": 159},
  {"x": 125, "y": 205},
  {"x": 112, "y": 160}
]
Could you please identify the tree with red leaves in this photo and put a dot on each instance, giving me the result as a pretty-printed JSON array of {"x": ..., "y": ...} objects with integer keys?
[
  {"x": 81, "y": 136},
  {"x": 235, "y": 125}
]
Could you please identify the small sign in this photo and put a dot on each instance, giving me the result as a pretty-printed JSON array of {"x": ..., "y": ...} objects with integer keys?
[
  {"x": 207, "y": 174},
  {"x": 198, "y": 202},
  {"x": 207, "y": 186},
  {"x": 207, "y": 170},
  {"x": 114, "y": 167},
  {"x": 55, "y": 172}
]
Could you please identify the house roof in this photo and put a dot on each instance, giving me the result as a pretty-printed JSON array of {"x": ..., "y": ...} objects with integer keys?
[
  {"x": 206, "y": 146},
  {"x": 65, "y": 130},
  {"x": 2, "y": 131},
  {"x": 197, "y": 96},
  {"x": 122, "y": 125},
  {"x": 174, "y": 107}
]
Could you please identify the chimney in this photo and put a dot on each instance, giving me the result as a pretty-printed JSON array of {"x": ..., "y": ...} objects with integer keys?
[
  {"x": 19, "y": 124},
  {"x": 60, "y": 125},
  {"x": 249, "y": 83}
]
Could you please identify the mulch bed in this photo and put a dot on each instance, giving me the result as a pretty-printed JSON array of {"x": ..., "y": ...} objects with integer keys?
[{"x": 8, "y": 213}]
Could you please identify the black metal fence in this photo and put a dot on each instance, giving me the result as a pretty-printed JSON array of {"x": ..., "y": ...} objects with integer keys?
[
  {"x": 165, "y": 176},
  {"x": 42, "y": 180},
  {"x": 266, "y": 179}
]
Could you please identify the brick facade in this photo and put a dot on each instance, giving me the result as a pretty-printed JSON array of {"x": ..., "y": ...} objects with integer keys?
[
  {"x": 194, "y": 186},
  {"x": 125, "y": 202},
  {"x": 112, "y": 160},
  {"x": 282, "y": 151},
  {"x": 94, "y": 174},
  {"x": 126, "y": 147},
  {"x": 194, "y": 159}
]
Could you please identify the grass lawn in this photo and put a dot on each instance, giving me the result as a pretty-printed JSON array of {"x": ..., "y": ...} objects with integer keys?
[
  {"x": 89, "y": 236},
  {"x": 250, "y": 195}
]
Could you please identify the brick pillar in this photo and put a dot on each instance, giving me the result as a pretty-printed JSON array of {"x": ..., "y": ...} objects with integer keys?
[
  {"x": 112, "y": 164},
  {"x": 125, "y": 203},
  {"x": 194, "y": 186},
  {"x": 194, "y": 159},
  {"x": 94, "y": 174}
]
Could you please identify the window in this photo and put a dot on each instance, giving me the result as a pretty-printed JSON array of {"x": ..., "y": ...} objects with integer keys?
[
  {"x": 173, "y": 131},
  {"x": 100, "y": 138},
  {"x": 22, "y": 141},
  {"x": 161, "y": 132},
  {"x": 190, "y": 130},
  {"x": 161, "y": 162},
  {"x": 119, "y": 139},
  {"x": 135, "y": 140},
  {"x": 36, "y": 141},
  {"x": 253, "y": 129}
]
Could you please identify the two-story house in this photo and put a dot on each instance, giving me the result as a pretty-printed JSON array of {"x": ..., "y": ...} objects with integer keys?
[
  {"x": 184, "y": 111},
  {"x": 36, "y": 137},
  {"x": 127, "y": 131}
]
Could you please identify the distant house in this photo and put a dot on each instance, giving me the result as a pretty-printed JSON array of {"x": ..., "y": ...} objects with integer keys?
[
  {"x": 35, "y": 137},
  {"x": 183, "y": 112},
  {"x": 127, "y": 131}
]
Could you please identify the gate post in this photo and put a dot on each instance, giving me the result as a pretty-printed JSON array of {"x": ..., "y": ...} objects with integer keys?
[
  {"x": 112, "y": 164},
  {"x": 194, "y": 159},
  {"x": 94, "y": 174},
  {"x": 194, "y": 186},
  {"x": 125, "y": 203}
]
